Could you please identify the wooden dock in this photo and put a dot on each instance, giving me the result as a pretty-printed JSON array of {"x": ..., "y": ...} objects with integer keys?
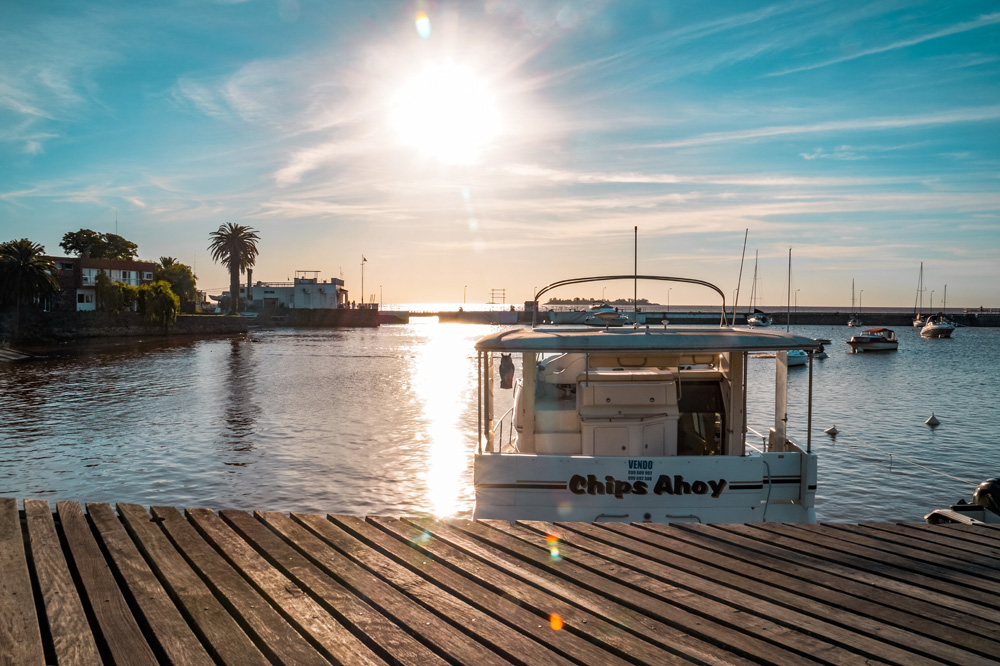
[{"x": 125, "y": 585}]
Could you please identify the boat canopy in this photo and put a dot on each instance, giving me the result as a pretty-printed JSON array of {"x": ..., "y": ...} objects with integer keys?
[
  {"x": 571, "y": 339},
  {"x": 877, "y": 330}
]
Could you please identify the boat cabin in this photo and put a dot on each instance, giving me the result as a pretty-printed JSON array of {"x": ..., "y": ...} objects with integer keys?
[{"x": 607, "y": 404}]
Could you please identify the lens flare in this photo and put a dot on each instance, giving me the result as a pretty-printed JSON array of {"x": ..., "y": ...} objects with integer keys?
[
  {"x": 555, "y": 621},
  {"x": 553, "y": 543},
  {"x": 423, "y": 24}
]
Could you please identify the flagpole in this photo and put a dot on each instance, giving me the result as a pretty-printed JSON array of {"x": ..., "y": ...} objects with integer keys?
[{"x": 363, "y": 260}]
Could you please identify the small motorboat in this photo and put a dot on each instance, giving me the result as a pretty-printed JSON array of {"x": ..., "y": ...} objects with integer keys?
[
  {"x": 855, "y": 322},
  {"x": 985, "y": 507},
  {"x": 937, "y": 326},
  {"x": 919, "y": 320},
  {"x": 639, "y": 424},
  {"x": 606, "y": 315},
  {"x": 758, "y": 319},
  {"x": 874, "y": 339}
]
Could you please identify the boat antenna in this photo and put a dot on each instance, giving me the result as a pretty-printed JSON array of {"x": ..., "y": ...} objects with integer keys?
[
  {"x": 739, "y": 280},
  {"x": 788, "y": 297},
  {"x": 635, "y": 272}
]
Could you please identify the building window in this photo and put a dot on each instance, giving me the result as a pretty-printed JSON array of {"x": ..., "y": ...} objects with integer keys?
[
  {"x": 84, "y": 298},
  {"x": 66, "y": 266},
  {"x": 147, "y": 276}
]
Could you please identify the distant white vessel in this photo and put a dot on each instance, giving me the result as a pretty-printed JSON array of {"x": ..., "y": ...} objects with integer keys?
[
  {"x": 918, "y": 319},
  {"x": 756, "y": 318},
  {"x": 638, "y": 425},
  {"x": 855, "y": 320},
  {"x": 874, "y": 339},
  {"x": 937, "y": 326}
]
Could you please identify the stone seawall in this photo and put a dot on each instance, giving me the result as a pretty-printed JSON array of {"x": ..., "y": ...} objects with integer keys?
[{"x": 66, "y": 326}]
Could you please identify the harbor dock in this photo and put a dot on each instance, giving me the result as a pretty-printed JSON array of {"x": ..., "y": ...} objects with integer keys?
[{"x": 100, "y": 584}]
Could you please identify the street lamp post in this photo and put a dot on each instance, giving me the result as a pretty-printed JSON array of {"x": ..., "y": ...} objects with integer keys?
[
  {"x": 932, "y": 300},
  {"x": 797, "y": 302},
  {"x": 859, "y": 300},
  {"x": 603, "y": 289},
  {"x": 668, "y": 299},
  {"x": 463, "y": 292}
]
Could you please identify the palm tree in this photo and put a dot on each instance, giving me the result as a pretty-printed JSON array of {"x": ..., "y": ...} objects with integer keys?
[
  {"x": 235, "y": 247},
  {"x": 26, "y": 274}
]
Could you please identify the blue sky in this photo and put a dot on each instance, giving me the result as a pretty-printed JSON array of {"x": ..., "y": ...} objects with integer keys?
[{"x": 504, "y": 144}]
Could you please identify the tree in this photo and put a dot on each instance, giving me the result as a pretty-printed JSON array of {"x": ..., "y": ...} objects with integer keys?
[
  {"x": 235, "y": 247},
  {"x": 114, "y": 296},
  {"x": 158, "y": 304},
  {"x": 98, "y": 245},
  {"x": 26, "y": 275},
  {"x": 182, "y": 279}
]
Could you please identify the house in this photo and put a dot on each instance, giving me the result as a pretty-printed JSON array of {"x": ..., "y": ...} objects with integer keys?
[
  {"x": 77, "y": 278},
  {"x": 305, "y": 292}
]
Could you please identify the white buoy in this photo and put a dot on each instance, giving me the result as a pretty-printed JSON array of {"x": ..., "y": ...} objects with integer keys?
[
  {"x": 832, "y": 432},
  {"x": 932, "y": 421}
]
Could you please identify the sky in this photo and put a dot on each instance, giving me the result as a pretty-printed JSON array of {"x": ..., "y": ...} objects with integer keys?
[{"x": 461, "y": 148}]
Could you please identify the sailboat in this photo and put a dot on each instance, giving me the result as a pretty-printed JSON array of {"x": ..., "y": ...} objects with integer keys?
[
  {"x": 855, "y": 320},
  {"x": 918, "y": 319},
  {"x": 795, "y": 356},
  {"x": 754, "y": 316}
]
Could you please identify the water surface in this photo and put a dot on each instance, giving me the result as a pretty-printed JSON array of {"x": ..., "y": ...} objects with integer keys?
[{"x": 383, "y": 421}]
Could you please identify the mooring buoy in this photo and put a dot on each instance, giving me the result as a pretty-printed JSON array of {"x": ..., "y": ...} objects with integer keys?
[
  {"x": 932, "y": 421},
  {"x": 832, "y": 431}
]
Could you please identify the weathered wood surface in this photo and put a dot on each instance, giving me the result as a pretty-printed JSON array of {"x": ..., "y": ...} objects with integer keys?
[{"x": 124, "y": 585}]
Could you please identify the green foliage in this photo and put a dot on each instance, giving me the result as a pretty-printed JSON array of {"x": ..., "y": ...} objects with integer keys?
[
  {"x": 235, "y": 247},
  {"x": 114, "y": 296},
  {"x": 158, "y": 304},
  {"x": 27, "y": 276},
  {"x": 100, "y": 246},
  {"x": 182, "y": 279}
]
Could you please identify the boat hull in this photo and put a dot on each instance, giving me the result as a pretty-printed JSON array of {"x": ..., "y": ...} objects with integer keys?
[
  {"x": 773, "y": 487},
  {"x": 933, "y": 331},
  {"x": 874, "y": 346}
]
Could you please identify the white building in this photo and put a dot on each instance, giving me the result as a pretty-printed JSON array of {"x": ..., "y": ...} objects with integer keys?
[{"x": 305, "y": 292}]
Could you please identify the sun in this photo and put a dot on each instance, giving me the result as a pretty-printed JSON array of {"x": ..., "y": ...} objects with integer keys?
[{"x": 446, "y": 112}]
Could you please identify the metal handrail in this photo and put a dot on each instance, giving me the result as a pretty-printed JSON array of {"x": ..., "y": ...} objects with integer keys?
[{"x": 563, "y": 283}]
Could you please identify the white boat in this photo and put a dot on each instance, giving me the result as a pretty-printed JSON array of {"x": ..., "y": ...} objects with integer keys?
[
  {"x": 606, "y": 315},
  {"x": 937, "y": 326},
  {"x": 758, "y": 319},
  {"x": 638, "y": 425},
  {"x": 985, "y": 507},
  {"x": 874, "y": 339}
]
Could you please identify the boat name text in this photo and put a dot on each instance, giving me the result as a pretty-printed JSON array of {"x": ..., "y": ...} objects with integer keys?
[{"x": 665, "y": 485}]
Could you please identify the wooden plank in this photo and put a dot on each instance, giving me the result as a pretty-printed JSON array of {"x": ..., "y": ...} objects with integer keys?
[
  {"x": 169, "y": 629},
  {"x": 324, "y": 631},
  {"x": 802, "y": 594},
  {"x": 120, "y": 633},
  {"x": 379, "y": 632},
  {"x": 20, "y": 636},
  {"x": 72, "y": 639},
  {"x": 940, "y": 542},
  {"x": 794, "y": 614},
  {"x": 585, "y": 637},
  {"x": 975, "y": 535},
  {"x": 886, "y": 564},
  {"x": 963, "y": 629},
  {"x": 716, "y": 623},
  {"x": 486, "y": 613},
  {"x": 226, "y": 640},
  {"x": 272, "y": 634},
  {"x": 864, "y": 570},
  {"x": 971, "y": 574}
]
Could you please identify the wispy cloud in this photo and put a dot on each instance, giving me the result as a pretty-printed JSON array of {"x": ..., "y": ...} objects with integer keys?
[
  {"x": 980, "y": 22},
  {"x": 972, "y": 115}
]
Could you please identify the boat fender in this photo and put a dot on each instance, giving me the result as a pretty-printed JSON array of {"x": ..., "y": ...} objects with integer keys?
[
  {"x": 506, "y": 371},
  {"x": 987, "y": 495}
]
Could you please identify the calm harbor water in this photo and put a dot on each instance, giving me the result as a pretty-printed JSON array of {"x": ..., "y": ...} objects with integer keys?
[{"x": 382, "y": 421}]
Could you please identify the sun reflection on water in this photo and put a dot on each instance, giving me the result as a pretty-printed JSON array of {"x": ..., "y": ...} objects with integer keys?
[{"x": 444, "y": 382}]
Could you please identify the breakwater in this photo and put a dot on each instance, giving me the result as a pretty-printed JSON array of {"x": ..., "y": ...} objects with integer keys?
[{"x": 698, "y": 317}]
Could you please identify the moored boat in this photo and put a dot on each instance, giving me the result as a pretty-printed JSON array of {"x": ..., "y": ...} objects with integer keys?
[
  {"x": 874, "y": 339},
  {"x": 638, "y": 424},
  {"x": 937, "y": 326}
]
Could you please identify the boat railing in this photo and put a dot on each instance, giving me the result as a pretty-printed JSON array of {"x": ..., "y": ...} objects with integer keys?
[
  {"x": 498, "y": 436},
  {"x": 763, "y": 439}
]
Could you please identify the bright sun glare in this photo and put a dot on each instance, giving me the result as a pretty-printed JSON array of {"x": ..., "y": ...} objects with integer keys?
[{"x": 447, "y": 113}]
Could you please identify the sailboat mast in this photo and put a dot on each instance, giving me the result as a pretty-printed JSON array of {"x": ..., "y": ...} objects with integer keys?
[{"x": 788, "y": 297}]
